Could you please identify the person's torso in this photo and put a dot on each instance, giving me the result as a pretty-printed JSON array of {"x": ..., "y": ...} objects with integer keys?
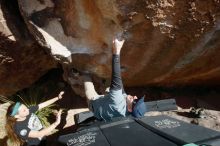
[
  {"x": 110, "y": 106},
  {"x": 31, "y": 123}
]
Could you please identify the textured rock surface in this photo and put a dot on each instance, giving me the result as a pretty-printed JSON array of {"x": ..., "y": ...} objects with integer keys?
[
  {"x": 168, "y": 42},
  {"x": 22, "y": 60},
  {"x": 3, "y": 110}
]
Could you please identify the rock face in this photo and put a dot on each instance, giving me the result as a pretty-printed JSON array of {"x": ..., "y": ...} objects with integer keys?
[
  {"x": 22, "y": 60},
  {"x": 168, "y": 42},
  {"x": 3, "y": 110}
]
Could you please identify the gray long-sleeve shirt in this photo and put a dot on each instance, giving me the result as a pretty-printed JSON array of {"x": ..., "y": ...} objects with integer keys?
[{"x": 110, "y": 105}]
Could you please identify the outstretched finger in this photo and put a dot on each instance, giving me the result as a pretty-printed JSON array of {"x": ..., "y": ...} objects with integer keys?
[{"x": 61, "y": 93}]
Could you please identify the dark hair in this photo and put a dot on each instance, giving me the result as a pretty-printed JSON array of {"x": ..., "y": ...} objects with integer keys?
[{"x": 10, "y": 122}]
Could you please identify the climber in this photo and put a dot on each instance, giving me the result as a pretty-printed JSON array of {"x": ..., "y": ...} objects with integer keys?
[
  {"x": 116, "y": 103},
  {"x": 24, "y": 127}
]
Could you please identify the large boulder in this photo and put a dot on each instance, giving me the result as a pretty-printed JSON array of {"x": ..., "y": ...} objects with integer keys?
[
  {"x": 22, "y": 60},
  {"x": 3, "y": 110},
  {"x": 168, "y": 42}
]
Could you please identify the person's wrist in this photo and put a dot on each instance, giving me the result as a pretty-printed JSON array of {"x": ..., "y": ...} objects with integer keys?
[
  {"x": 56, "y": 124},
  {"x": 116, "y": 52}
]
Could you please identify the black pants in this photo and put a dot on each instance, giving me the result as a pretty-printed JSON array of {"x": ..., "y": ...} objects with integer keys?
[{"x": 116, "y": 81}]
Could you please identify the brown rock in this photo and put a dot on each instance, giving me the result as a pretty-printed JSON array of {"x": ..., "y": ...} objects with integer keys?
[
  {"x": 168, "y": 43},
  {"x": 3, "y": 110},
  {"x": 22, "y": 61}
]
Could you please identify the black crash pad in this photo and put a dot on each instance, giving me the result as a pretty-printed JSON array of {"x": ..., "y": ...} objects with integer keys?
[
  {"x": 212, "y": 142},
  {"x": 178, "y": 131},
  {"x": 161, "y": 105},
  {"x": 129, "y": 133},
  {"x": 91, "y": 137},
  {"x": 119, "y": 132},
  {"x": 83, "y": 117}
]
